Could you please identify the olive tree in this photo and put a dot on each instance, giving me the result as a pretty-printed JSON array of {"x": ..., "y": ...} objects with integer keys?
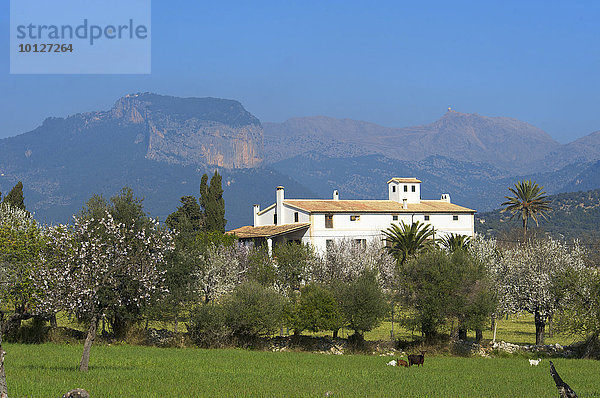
[
  {"x": 580, "y": 316},
  {"x": 20, "y": 242},
  {"x": 86, "y": 262}
]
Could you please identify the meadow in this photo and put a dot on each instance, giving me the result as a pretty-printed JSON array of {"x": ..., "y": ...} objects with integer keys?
[{"x": 49, "y": 370}]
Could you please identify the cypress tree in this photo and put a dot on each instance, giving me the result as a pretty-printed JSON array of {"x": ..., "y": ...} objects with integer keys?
[
  {"x": 214, "y": 207},
  {"x": 203, "y": 191},
  {"x": 15, "y": 197}
]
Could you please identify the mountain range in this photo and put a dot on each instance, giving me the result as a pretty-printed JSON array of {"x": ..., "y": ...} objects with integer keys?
[{"x": 160, "y": 145}]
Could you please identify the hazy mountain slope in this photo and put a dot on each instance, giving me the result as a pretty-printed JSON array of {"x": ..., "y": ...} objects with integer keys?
[
  {"x": 505, "y": 143},
  {"x": 201, "y": 131},
  {"x": 586, "y": 180},
  {"x": 153, "y": 144},
  {"x": 584, "y": 149}
]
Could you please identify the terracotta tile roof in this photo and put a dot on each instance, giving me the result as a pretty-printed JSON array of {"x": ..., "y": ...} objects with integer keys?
[
  {"x": 267, "y": 231},
  {"x": 263, "y": 211},
  {"x": 376, "y": 206},
  {"x": 405, "y": 180}
]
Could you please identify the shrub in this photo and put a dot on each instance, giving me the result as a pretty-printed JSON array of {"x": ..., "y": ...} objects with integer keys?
[
  {"x": 208, "y": 328},
  {"x": 362, "y": 302},
  {"x": 252, "y": 310},
  {"x": 438, "y": 286},
  {"x": 316, "y": 310}
]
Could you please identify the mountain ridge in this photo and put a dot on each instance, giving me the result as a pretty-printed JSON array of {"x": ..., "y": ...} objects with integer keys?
[{"x": 504, "y": 142}]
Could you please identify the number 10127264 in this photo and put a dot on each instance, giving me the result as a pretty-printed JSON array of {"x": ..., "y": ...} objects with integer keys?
[{"x": 45, "y": 48}]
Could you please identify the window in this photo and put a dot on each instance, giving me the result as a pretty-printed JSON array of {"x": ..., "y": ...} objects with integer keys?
[
  {"x": 328, "y": 220},
  {"x": 295, "y": 216},
  {"x": 413, "y": 188},
  {"x": 426, "y": 218},
  {"x": 455, "y": 218},
  {"x": 406, "y": 188},
  {"x": 361, "y": 243},
  {"x": 355, "y": 217},
  {"x": 393, "y": 188},
  {"x": 275, "y": 218},
  {"x": 395, "y": 217}
]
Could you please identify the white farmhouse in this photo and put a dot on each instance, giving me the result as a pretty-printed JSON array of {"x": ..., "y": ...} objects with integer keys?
[{"x": 320, "y": 222}]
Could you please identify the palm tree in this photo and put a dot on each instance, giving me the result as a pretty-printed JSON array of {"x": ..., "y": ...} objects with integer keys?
[
  {"x": 404, "y": 240},
  {"x": 454, "y": 242},
  {"x": 529, "y": 200}
]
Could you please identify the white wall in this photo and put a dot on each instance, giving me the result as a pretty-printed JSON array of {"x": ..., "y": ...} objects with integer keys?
[
  {"x": 400, "y": 195},
  {"x": 369, "y": 226}
]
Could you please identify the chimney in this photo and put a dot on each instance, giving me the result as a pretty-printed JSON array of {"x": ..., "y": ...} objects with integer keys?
[
  {"x": 279, "y": 205},
  {"x": 256, "y": 211},
  {"x": 446, "y": 197},
  {"x": 405, "y": 203},
  {"x": 336, "y": 195}
]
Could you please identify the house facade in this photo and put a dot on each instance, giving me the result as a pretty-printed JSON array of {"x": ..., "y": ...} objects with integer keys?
[{"x": 320, "y": 222}]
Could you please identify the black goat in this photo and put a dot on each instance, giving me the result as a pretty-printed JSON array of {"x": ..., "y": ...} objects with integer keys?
[{"x": 415, "y": 359}]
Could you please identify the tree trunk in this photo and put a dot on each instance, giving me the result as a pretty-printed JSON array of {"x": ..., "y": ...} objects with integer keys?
[
  {"x": 493, "y": 324},
  {"x": 495, "y": 328},
  {"x": 53, "y": 323},
  {"x": 478, "y": 335},
  {"x": 335, "y": 333},
  {"x": 525, "y": 230},
  {"x": 550, "y": 331},
  {"x": 392, "y": 331},
  {"x": 540, "y": 324},
  {"x": 85, "y": 358},
  {"x": 462, "y": 333},
  {"x": 3, "y": 386}
]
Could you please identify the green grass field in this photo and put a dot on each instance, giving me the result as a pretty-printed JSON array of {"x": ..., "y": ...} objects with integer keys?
[{"x": 49, "y": 370}]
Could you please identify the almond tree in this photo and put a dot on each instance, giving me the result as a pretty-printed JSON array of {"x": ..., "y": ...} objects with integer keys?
[
  {"x": 219, "y": 271},
  {"x": 346, "y": 260},
  {"x": 90, "y": 260},
  {"x": 487, "y": 252},
  {"x": 530, "y": 278}
]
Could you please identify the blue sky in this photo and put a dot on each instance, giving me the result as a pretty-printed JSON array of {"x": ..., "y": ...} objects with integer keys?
[{"x": 393, "y": 63}]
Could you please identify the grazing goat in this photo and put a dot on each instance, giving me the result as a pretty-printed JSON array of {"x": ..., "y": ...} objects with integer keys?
[
  {"x": 391, "y": 363},
  {"x": 402, "y": 362},
  {"x": 415, "y": 359},
  {"x": 534, "y": 362}
]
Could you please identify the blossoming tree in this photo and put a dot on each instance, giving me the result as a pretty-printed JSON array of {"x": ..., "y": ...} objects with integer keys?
[
  {"x": 530, "y": 275},
  {"x": 88, "y": 261}
]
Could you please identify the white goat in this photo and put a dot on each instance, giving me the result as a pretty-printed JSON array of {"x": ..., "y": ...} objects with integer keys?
[
  {"x": 392, "y": 363},
  {"x": 534, "y": 362}
]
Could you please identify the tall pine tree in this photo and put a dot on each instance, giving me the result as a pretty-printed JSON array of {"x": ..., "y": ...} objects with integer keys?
[
  {"x": 188, "y": 217},
  {"x": 15, "y": 197}
]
